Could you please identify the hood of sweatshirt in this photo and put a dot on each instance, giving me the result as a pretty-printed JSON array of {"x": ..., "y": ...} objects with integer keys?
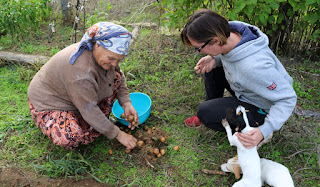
[{"x": 250, "y": 36}]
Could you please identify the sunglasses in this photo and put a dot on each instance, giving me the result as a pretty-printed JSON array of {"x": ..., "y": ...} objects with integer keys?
[{"x": 200, "y": 48}]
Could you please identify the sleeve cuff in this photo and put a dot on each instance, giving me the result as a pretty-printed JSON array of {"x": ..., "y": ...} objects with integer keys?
[
  {"x": 112, "y": 133},
  {"x": 265, "y": 130}
]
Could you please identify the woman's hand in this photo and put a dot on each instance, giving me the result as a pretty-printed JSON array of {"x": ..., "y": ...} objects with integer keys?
[
  {"x": 129, "y": 110},
  {"x": 253, "y": 138},
  {"x": 205, "y": 65},
  {"x": 127, "y": 140}
]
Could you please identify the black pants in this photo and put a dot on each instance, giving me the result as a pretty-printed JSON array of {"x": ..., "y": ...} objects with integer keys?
[{"x": 216, "y": 107}]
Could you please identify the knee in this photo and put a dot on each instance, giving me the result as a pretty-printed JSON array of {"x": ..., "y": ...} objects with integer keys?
[
  {"x": 201, "y": 111},
  {"x": 210, "y": 117}
]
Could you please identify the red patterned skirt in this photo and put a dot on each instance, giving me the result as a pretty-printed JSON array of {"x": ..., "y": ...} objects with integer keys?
[{"x": 65, "y": 128}]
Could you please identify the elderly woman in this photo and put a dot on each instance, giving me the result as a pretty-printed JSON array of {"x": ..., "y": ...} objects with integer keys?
[{"x": 71, "y": 97}]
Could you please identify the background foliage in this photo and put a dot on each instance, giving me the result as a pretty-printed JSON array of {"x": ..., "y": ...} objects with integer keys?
[
  {"x": 293, "y": 26},
  {"x": 21, "y": 18}
]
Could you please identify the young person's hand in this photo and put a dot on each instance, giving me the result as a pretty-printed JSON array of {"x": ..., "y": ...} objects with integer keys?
[
  {"x": 205, "y": 65},
  {"x": 253, "y": 138}
]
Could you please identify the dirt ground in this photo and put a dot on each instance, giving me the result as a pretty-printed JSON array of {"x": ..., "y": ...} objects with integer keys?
[{"x": 19, "y": 177}]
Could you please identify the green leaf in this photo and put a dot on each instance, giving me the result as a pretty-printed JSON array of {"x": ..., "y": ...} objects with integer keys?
[
  {"x": 239, "y": 5},
  {"x": 271, "y": 19},
  {"x": 313, "y": 18},
  {"x": 296, "y": 5},
  {"x": 250, "y": 2},
  {"x": 275, "y": 27},
  {"x": 232, "y": 15},
  {"x": 263, "y": 19},
  {"x": 290, "y": 13},
  {"x": 309, "y": 2},
  {"x": 250, "y": 8},
  {"x": 268, "y": 9},
  {"x": 274, "y": 5},
  {"x": 256, "y": 19},
  {"x": 292, "y": 3}
]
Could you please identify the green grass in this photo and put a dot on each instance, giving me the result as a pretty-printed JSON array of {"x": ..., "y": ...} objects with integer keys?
[
  {"x": 306, "y": 83},
  {"x": 13, "y": 99},
  {"x": 160, "y": 67}
]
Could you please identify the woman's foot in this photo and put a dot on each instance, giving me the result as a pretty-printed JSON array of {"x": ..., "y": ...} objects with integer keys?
[{"x": 193, "y": 121}]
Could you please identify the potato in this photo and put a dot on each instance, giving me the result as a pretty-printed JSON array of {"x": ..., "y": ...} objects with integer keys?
[
  {"x": 140, "y": 143},
  {"x": 110, "y": 152},
  {"x": 176, "y": 148},
  {"x": 133, "y": 123},
  {"x": 123, "y": 115},
  {"x": 130, "y": 118},
  {"x": 162, "y": 139},
  {"x": 127, "y": 151},
  {"x": 159, "y": 155},
  {"x": 146, "y": 128},
  {"x": 162, "y": 151},
  {"x": 156, "y": 151}
]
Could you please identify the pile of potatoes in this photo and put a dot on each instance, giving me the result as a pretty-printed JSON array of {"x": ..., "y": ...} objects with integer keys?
[
  {"x": 151, "y": 145},
  {"x": 154, "y": 150}
]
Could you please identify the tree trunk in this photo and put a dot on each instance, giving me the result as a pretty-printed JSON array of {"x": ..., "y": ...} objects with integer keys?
[{"x": 66, "y": 11}]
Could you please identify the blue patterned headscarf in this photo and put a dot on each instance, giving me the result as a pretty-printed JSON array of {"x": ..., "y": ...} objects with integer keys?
[{"x": 108, "y": 35}]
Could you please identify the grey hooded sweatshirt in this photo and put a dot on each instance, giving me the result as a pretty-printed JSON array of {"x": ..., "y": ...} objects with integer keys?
[{"x": 257, "y": 76}]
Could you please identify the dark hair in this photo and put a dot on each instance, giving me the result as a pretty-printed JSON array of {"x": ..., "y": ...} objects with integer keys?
[
  {"x": 203, "y": 25},
  {"x": 93, "y": 41}
]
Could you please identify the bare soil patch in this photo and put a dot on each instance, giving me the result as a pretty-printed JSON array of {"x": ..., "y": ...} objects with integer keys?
[{"x": 19, "y": 177}]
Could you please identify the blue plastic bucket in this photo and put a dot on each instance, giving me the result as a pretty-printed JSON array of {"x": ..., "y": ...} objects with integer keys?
[{"x": 140, "y": 101}]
